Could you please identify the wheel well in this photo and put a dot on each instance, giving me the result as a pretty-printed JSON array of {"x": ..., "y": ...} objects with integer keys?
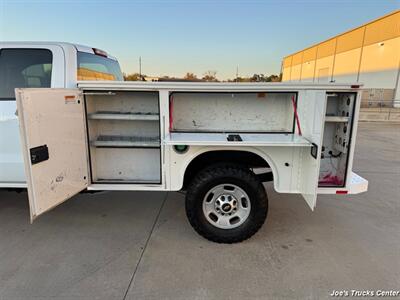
[{"x": 243, "y": 158}]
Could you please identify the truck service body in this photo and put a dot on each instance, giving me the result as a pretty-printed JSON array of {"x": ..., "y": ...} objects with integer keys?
[
  {"x": 216, "y": 141},
  {"x": 44, "y": 65}
]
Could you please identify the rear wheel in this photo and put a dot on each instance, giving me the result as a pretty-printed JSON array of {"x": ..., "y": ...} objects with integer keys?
[{"x": 226, "y": 204}]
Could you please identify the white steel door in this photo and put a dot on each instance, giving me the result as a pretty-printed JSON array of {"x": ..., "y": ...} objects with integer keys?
[
  {"x": 53, "y": 139},
  {"x": 311, "y": 110}
]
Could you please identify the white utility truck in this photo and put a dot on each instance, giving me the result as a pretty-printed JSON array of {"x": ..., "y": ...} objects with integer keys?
[
  {"x": 216, "y": 141},
  {"x": 40, "y": 65}
]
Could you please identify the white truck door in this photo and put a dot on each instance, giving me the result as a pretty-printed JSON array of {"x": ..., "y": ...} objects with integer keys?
[
  {"x": 54, "y": 146},
  {"x": 311, "y": 110},
  {"x": 22, "y": 66}
]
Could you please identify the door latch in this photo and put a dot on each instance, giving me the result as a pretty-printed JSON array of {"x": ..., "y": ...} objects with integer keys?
[
  {"x": 234, "y": 138},
  {"x": 39, "y": 154},
  {"x": 314, "y": 150}
]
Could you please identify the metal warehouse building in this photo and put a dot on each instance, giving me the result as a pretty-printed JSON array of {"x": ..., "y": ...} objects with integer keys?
[{"x": 369, "y": 54}]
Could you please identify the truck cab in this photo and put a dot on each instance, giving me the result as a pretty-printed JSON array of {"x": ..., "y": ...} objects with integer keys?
[{"x": 41, "y": 65}]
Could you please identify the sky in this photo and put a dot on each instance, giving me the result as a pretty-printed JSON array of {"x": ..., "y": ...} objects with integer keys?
[{"x": 175, "y": 37}]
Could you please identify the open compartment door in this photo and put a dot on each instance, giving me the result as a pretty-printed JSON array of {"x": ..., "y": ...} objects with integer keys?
[
  {"x": 53, "y": 139},
  {"x": 311, "y": 107},
  {"x": 308, "y": 181}
]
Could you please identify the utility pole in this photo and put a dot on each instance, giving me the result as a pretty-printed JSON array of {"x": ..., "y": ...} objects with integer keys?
[
  {"x": 237, "y": 73},
  {"x": 140, "y": 67}
]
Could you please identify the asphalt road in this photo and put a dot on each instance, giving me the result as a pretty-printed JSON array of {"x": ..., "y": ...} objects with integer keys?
[{"x": 125, "y": 245}]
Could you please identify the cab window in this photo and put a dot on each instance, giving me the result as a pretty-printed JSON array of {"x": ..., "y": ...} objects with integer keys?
[
  {"x": 96, "y": 67},
  {"x": 24, "y": 68}
]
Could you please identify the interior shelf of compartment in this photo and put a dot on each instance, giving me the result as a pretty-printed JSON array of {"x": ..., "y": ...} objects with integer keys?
[
  {"x": 126, "y": 165},
  {"x": 136, "y": 181},
  {"x": 338, "y": 107},
  {"x": 122, "y": 151},
  {"x": 127, "y": 116},
  {"x": 248, "y": 139},
  {"x": 336, "y": 119},
  {"x": 336, "y": 139},
  {"x": 133, "y": 104},
  {"x": 126, "y": 141}
]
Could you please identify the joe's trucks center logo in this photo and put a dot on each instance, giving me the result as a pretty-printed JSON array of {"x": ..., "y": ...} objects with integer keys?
[{"x": 365, "y": 293}]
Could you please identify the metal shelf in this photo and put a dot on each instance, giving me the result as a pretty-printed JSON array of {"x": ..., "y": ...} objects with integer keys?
[
  {"x": 336, "y": 119},
  {"x": 113, "y": 180},
  {"x": 108, "y": 115},
  {"x": 116, "y": 141},
  {"x": 248, "y": 139}
]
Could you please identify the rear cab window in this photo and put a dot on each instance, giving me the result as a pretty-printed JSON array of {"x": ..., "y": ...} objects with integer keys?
[
  {"x": 24, "y": 68},
  {"x": 97, "y": 67}
]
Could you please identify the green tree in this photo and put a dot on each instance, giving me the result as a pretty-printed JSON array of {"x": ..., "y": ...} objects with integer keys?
[
  {"x": 258, "y": 78},
  {"x": 273, "y": 78},
  {"x": 134, "y": 77}
]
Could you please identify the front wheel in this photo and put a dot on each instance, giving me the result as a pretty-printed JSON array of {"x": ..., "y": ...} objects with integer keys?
[{"x": 226, "y": 204}]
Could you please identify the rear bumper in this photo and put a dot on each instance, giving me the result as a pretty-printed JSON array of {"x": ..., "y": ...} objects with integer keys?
[{"x": 356, "y": 185}]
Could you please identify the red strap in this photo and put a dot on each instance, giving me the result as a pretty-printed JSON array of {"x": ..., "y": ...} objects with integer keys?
[{"x": 295, "y": 115}]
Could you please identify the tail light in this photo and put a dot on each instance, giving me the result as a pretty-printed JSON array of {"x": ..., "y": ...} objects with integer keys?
[{"x": 341, "y": 192}]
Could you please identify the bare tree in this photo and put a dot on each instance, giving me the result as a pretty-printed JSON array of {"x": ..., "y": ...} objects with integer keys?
[
  {"x": 134, "y": 77},
  {"x": 210, "y": 76},
  {"x": 190, "y": 76}
]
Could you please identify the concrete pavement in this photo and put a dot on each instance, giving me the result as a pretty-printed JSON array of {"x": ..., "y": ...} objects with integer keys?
[{"x": 122, "y": 245}]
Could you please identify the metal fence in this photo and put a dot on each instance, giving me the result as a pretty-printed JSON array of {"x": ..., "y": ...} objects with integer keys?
[{"x": 381, "y": 104}]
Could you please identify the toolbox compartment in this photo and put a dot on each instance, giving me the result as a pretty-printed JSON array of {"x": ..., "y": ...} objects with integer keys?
[
  {"x": 124, "y": 136},
  {"x": 336, "y": 139},
  {"x": 267, "y": 112}
]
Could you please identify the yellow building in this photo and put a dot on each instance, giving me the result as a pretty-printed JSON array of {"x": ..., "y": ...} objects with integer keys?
[{"x": 369, "y": 54}]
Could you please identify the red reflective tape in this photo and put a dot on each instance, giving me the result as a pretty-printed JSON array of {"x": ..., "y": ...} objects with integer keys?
[
  {"x": 341, "y": 192},
  {"x": 295, "y": 115},
  {"x": 355, "y": 86}
]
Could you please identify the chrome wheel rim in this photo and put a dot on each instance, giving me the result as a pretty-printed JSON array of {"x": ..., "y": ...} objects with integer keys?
[{"x": 226, "y": 206}]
